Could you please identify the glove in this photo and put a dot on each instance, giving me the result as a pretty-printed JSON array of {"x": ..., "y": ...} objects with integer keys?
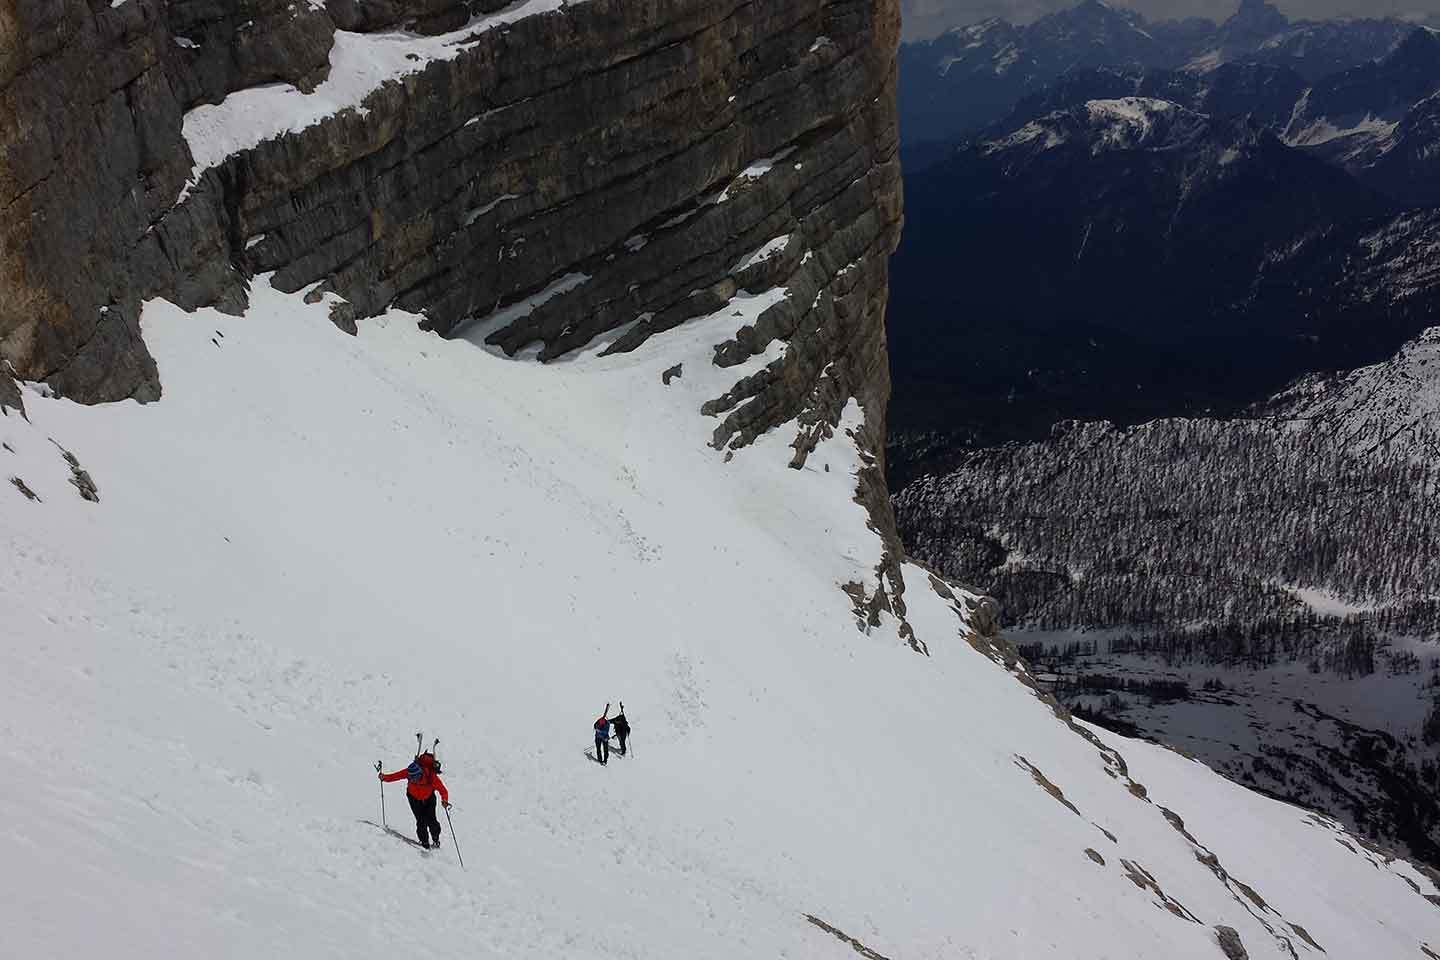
[{"x": 445, "y": 804}]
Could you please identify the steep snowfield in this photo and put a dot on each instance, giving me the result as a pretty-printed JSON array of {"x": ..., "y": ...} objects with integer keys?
[{"x": 316, "y": 545}]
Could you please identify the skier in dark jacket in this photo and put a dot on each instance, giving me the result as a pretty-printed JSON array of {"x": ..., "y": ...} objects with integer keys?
[
  {"x": 602, "y": 736},
  {"x": 424, "y": 776},
  {"x": 622, "y": 727}
]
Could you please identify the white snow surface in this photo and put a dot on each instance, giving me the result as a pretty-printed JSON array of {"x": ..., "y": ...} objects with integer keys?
[
  {"x": 1126, "y": 121},
  {"x": 1326, "y": 603},
  {"x": 1207, "y": 62},
  {"x": 1032, "y": 131},
  {"x": 754, "y": 171},
  {"x": 765, "y": 251},
  {"x": 1323, "y": 130},
  {"x": 477, "y": 330},
  {"x": 317, "y": 544}
]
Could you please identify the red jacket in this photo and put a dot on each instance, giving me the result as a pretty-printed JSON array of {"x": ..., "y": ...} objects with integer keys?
[{"x": 424, "y": 781}]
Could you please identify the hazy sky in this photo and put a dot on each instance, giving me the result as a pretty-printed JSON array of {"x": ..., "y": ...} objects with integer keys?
[{"x": 926, "y": 17}]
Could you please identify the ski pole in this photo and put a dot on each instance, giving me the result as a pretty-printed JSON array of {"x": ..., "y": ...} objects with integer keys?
[
  {"x": 451, "y": 824},
  {"x": 383, "y": 822}
]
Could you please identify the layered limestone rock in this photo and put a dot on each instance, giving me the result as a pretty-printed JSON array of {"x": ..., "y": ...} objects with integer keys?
[{"x": 536, "y": 174}]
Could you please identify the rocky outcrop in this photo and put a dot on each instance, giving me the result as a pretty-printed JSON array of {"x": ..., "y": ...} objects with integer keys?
[
  {"x": 89, "y": 156},
  {"x": 523, "y": 174},
  {"x": 1229, "y": 940},
  {"x": 10, "y": 398}
]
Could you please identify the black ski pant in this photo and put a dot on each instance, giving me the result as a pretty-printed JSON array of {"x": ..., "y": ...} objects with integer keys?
[
  {"x": 621, "y": 737},
  {"x": 602, "y": 749},
  {"x": 427, "y": 827}
]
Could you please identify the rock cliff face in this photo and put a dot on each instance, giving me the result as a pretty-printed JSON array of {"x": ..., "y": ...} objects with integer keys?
[{"x": 536, "y": 174}]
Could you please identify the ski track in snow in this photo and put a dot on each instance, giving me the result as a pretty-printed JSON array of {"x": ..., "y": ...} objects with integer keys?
[{"x": 316, "y": 544}]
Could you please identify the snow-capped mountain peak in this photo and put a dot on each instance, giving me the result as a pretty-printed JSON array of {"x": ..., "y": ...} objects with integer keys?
[
  {"x": 1106, "y": 126},
  {"x": 1129, "y": 122}
]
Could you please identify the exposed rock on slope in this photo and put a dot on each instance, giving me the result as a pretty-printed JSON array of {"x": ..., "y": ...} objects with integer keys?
[
  {"x": 537, "y": 172},
  {"x": 10, "y": 398}
]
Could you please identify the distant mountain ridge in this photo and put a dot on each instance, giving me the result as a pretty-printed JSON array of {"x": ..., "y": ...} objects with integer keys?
[
  {"x": 970, "y": 77},
  {"x": 1126, "y": 258},
  {"x": 1359, "y": 103},
  {"x": 1406, "y": 161},
  {"x": 1380, "y": 120}
]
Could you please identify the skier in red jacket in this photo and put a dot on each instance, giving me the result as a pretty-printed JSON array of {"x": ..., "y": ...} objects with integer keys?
[{"x": 424, "y": 776}]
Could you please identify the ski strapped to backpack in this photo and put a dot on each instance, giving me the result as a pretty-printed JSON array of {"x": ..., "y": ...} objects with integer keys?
[{"x": 419, "y": 749}]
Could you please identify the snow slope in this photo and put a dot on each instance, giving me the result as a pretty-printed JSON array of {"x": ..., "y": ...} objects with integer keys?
[{"x": 317, "y": 544}]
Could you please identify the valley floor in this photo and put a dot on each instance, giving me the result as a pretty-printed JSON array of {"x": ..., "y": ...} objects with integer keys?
[{"x": 1350, "y": 745}]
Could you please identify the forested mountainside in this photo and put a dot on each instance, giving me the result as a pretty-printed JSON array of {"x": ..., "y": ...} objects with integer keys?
[
  {"x": 1298, "y": 538},
  {"x": 1330, "y": 487}
]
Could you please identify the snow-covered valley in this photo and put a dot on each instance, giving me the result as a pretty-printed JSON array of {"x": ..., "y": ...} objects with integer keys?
[
  {"x": 316, "y": 544},
  {"x": 1357, "y": 740}
]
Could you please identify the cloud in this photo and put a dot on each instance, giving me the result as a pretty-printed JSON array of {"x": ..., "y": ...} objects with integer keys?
[{"x": 925, "y": 18}]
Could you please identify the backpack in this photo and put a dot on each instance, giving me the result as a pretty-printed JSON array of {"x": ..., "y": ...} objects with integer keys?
[{"x": 416, "y": 773}]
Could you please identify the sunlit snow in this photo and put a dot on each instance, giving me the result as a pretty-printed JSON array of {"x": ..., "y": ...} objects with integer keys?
[{"x": 317, "y": 544}]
